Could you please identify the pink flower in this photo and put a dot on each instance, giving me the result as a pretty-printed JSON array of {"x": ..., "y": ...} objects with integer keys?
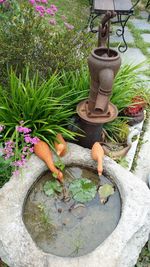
[
  {"x": 50, "y": 11},
  {"x": 27, "y": 138},
  {"x": 31, "y": 149},
  {"x": 69, "y": 26},
  {"x": 54, "y": 8},
  {"x": 25, "y": 148},
  {"x": 35, "y": 140},
  {"x": 32, "y": 2},
  {"x": 40, "y": 9},
  {"x": 2, "y": 1},
  {"x": 63, "y": 17},
  {"x": 44, "y": 1},
  {"x": 52, "y": 21},
  {"x": 22, "y": 129}
]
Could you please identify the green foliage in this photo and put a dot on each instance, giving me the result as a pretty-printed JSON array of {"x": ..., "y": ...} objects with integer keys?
[
  {"x": 60, "y": 165},
  {"x": 28, "y": 40},
  {"x": 5, "y": 171},
  {"x": 83, "y": 190},
  {"x": 123, "y": 162},
  {"x": 127, "y": 85},
  {"x": 117, "y": 130},
  {"x": 52, "y": 187},
  {"x": 144, "y": 258},
  {"x": 36, "y": 105}
]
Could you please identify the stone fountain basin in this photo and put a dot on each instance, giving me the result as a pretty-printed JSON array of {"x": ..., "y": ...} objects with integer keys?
[{"x": 120, "y": 249}]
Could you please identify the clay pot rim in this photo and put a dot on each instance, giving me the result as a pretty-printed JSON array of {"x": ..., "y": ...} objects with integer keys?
[{"x": 105, "y": 58}]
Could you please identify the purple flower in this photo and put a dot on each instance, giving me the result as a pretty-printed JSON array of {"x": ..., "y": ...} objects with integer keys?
[
  {"x": 52, "y": 21},
  {"x": 25, "y": 148},
  {"x": 31, "y": 149},
  {"x": 27, "y": 138},
  {"x": 8, "y": 149},
  {"x": 35, "y": 140},
  {"x": 32, "y": 2},
  {"x": 40, "y": 9},
  {"x": 54, "y": 8},
  {"x": 22, "y": 129},
  {"x": 69, "y": 26},
  {"x": 63, "y": 17},
  {"x": 20, "y": 163},
  {"x": 44, "y": 1},
  {"x": 2, "y": 1},
  {"x": 50, "y": 11}
]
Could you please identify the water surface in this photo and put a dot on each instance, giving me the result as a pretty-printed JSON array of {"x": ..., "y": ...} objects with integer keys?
[{"x": 66, "y": 228}]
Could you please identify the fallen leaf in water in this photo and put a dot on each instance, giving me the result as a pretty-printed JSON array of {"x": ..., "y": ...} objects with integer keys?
[{"x": 105, "y": 191}]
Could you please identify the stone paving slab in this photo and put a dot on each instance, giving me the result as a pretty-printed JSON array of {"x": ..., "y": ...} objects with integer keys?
[
  {"x": 146, "y": 37},
  {"x": 144, "y": 14},
  {"x": 135, "y": 131},
  {"x": 134, "y": 56},
  {"x": 128, "y": 36},
  {"x": 142, "y": 169},
  {"x": 141, "y": 24}
]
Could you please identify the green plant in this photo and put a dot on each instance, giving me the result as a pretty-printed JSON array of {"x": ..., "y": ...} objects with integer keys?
[
  {"x": 127, "y": 85},
  {"x": 52, "y": 187},
  {"x": 28, "y": 40},
  {"x": 117, "y": 130},
  {"x": 123, "y": 162},
  {"x": 83, "y": 190},
  {"x": 5, "y": 171},
  {"x": 36, "y": 106},
  {"x": 144, "y": 258},
  {"x": 78, "y": 245},
  {"x": 44, "y": 220}
]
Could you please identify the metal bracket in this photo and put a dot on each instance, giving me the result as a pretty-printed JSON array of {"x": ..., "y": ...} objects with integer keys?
[{"x": 122, "y": 21}]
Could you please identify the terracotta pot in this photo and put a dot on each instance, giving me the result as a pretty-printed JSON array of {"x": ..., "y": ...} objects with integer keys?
[
  {"x": 98, "y": 154},
  {"x": 42, "y": 150},
  {"x": 60, "y": 145},
  {"x": 136, "y": 110}
]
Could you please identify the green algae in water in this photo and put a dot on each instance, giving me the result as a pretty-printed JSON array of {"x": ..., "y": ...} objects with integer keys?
[{"x": 69, "y": 228}]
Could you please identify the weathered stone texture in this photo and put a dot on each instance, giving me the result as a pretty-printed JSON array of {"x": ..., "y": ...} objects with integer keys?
[{"x": 120, "y": 249}]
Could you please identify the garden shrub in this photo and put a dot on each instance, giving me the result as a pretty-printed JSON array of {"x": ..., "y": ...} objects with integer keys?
[{"x": 29, "y": 40}]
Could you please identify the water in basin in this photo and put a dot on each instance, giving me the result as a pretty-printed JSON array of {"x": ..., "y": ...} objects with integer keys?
[{"x": 66, "y": 228}]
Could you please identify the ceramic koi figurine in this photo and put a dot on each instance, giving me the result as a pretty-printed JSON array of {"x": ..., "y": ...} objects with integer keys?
[{"x": 97, "y": 153}]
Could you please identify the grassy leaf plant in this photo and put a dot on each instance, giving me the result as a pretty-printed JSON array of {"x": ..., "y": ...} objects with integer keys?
[
  {"x": 127, "y": 85},
  {"x": 29, "y": 112}
]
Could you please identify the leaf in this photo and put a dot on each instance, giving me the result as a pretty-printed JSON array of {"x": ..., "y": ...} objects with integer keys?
[
  {"x": 105, "y": 191},
  {"x": 52, "y": 187},
  {"x": 83, "y": 190},
  {"x": 60, "y": 165}
]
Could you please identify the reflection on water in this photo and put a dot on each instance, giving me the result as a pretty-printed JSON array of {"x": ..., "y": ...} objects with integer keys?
[{"x": 68, "y": 228}]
